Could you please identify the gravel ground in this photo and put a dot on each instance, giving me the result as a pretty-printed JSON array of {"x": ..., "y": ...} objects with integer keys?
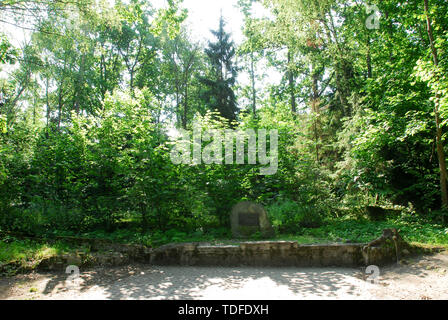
[{"x": 425, "y": 278}]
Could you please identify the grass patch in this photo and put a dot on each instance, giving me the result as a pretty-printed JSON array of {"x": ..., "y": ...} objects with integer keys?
[
  {"x": 13, "y": 250},
  {"x": 362, "y": 231},
  {"x": 342, "y": 230},
  {"x": 414, "y": 231}
]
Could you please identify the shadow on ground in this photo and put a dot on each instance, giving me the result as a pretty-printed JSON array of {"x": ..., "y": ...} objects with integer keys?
[
  {"x": 152, "y": 282},
  {"x": 145, "y": 282}
]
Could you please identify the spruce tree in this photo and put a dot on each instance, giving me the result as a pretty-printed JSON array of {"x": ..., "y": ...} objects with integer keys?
[{"x": 218, "y": 94}]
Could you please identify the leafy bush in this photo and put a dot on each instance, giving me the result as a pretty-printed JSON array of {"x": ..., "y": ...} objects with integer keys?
[
  {"x": 22, "y": 221},
  {"x": 288, "y": 216},
  {"x": 362, "y": 231}
]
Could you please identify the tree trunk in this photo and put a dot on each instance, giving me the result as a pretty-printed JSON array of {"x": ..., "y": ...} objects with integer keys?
[
  {"x": 254, "y": 93},
  {"x": 48, "y": 101},
  {"x": 79, "y": 84},
  {"x": 291, "y": 85},
  {"x": 60, "y": 94},
  {"x": 59, "y": 107},
  {"x": 369, "y": 58},
  {"x": 184, "y": 118},
  {"x": 440, "y": 148},
  {"x": 315, "y": 110}
]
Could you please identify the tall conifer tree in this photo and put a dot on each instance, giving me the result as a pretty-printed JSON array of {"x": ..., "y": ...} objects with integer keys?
[{"x": 219, "y": 95}]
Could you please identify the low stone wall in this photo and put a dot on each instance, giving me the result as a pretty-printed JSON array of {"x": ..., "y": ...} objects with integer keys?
[
  {"x": 91, "y": 253},
  {"x": 274, "y": 254},
  {"x": 257, "y": 254}
]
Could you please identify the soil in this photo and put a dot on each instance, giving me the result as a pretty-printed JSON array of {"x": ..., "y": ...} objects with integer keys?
[{"x": 420, "y": 278}]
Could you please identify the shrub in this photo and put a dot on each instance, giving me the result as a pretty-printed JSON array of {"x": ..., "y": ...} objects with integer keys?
[{"x": 289, "y": 216}]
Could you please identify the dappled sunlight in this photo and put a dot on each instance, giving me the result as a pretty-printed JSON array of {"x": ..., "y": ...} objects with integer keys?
[
  {"x": 142, "y": 139},
  {"x": 420, "y": 278},
  {"x": 217, "y": 283}
]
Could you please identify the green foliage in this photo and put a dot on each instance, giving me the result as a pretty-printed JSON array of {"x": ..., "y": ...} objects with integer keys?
[
  {"x": 290, "y": 217},
  {"x": 362, "y": 231},
  {"x": 8, "y": 54},
  {"x": 85, "y": 117},
  {"x": 16, "y": 253},
  {"x": 219, "y": 95}
]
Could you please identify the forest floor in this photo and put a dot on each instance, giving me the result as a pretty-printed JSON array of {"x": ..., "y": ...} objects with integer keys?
[{"x": 424, "y": 277}]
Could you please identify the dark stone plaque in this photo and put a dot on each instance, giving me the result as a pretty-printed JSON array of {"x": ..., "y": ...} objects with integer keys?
[{"x": 249, "y": 220}]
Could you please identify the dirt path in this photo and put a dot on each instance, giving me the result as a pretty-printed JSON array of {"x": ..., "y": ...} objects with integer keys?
[{"x": 422, "y": 278}]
